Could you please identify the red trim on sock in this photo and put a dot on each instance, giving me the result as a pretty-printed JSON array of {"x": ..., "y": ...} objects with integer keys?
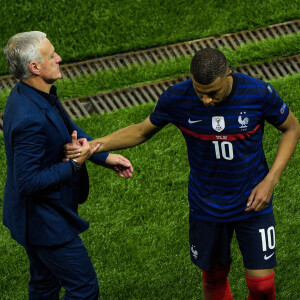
[
  {"x": 261, "y": 288},
  {"x": 261, "y": 278}
]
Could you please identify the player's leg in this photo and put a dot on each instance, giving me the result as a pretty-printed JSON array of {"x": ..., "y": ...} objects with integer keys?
[
  {"x": 72, "y": 268},
  {"x": 210, "y": 251},
  {"x": 256, "y": 238},
  {"x": 215, "y": 283}
]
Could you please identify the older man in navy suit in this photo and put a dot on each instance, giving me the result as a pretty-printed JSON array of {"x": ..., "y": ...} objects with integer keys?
[{"x": 42, "y": 191}]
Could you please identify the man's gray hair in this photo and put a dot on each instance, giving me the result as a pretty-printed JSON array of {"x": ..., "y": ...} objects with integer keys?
[{"x": 21, "y": 49}]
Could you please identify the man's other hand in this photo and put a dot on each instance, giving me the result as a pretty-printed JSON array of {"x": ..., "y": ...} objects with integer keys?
[{"x": 121, "y": 165}]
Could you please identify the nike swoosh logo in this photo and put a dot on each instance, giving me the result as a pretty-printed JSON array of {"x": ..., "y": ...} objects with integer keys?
[
  {"x": 192, "y": 122},
  {"x": 268, "y": 257}
]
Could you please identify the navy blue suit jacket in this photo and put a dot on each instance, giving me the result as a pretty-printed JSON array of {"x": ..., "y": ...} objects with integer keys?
[{"x": 41, "y": 193}]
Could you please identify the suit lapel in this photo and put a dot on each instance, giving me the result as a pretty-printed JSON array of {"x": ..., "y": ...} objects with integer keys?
[
  {"x": 57, "y": 122},
  {"x": 62, "y": 109},
  {"x": 49, "y": 111}
]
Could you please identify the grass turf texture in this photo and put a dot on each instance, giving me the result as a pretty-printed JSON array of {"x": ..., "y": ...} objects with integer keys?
[
  {"x": 96, "y": 28},
  {"x": 138, "y": 238},
  {"x": 86, "y": 85}
]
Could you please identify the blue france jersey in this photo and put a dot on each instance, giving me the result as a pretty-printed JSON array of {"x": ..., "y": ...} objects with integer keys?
[{"x": 224, "y": 143}]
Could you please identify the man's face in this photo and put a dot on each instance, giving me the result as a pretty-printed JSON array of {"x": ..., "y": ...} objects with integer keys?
[
  {"x": 214, "y": 93},
  {"x": 49, "y": 69}
]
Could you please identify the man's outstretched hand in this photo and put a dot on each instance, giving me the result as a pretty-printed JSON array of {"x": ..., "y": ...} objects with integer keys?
[{"x": 81, "y": 150}]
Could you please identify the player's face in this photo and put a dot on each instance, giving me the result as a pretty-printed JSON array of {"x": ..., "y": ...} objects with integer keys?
[
  {"x": 214, "y": 93},
  {"x": 49, "y": 69}
]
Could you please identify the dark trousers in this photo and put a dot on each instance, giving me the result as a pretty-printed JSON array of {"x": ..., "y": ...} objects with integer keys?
[{"x": 67, "y": 266}]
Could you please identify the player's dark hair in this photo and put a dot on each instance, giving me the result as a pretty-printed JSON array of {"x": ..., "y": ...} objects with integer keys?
[{"x": 207, "y": 65}]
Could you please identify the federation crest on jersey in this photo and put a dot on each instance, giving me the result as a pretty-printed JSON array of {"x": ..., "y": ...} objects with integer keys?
[
  {"x": 218, "y": 123},
  {"x": 243, "y": 120}
]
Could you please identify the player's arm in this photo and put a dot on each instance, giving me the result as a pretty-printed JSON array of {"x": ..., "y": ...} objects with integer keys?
[
  {"x": 287, "y": 145},
  {"x": 261, "y": 194},
  {"x": 127, "y": 137}
]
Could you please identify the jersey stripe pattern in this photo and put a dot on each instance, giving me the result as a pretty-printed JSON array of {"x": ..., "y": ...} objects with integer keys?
[{"x": 224, "y": 143}]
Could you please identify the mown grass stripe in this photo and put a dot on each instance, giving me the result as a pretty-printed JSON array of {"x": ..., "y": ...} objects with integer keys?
[
  {"x": 107, "y": 80},
  {"x": 164, "y": 53}
]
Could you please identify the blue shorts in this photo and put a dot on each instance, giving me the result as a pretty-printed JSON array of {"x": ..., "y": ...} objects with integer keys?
[{"x": 210, "y": 242}]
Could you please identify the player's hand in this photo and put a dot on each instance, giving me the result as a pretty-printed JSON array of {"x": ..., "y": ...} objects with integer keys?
[
  {"x": 85, "y": 150},
  {"x": 79, "y": 149},
  {"x": 121, "y": 165},
  {"x": 260, "y": 196}
]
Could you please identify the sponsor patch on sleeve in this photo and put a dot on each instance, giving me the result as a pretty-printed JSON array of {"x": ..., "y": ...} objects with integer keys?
[{"x": 282, "y": 109}]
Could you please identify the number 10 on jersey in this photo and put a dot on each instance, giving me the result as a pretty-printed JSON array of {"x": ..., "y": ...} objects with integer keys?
[{"x": 223, "y": 150}]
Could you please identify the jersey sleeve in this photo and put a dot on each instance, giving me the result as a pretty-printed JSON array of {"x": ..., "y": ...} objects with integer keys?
[
  {"x": 275, "y": 109},
  {"x": 160, "y": 116}
]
